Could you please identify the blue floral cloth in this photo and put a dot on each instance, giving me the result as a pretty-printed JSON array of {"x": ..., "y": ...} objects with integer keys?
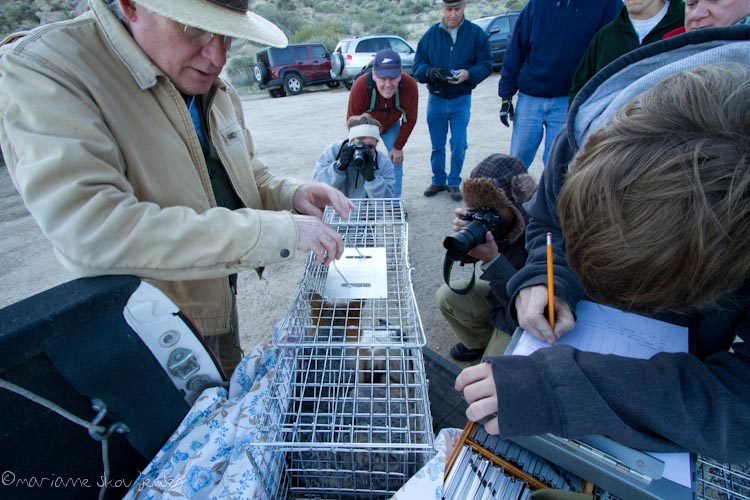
[
  {"x": 208, "y": 456},
  {"x": 427, "y": 483}
]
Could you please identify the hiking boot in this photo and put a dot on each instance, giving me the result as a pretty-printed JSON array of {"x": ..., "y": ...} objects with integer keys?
[
  {"x": 460, "y": 352},
  {"x": 455, "y": 194},
  {"x": 433, "y": 190}
]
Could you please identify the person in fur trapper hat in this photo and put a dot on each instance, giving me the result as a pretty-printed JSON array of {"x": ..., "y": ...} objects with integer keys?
[{"x": 478, "y": 314}]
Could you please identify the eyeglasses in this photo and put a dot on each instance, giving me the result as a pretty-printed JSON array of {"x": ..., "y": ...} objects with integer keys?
[{"x": 201, "y": 38}]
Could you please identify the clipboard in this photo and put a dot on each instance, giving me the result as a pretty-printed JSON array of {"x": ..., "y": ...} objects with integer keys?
[{"x": 621, "y": 470}]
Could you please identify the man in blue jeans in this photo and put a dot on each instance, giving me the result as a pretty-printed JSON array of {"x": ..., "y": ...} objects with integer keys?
[
  {"x": 452, "y": 58},
  {"x": 547, "y": 44}
]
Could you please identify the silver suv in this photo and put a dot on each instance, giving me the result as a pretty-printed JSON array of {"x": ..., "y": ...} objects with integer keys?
[{"x": 351, "y": 55}]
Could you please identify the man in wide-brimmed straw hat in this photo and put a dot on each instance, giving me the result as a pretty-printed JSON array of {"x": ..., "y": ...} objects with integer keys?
[{"x": 133, "y": 157}]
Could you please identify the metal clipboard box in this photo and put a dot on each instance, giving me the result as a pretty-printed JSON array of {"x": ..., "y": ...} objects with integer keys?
[{"x": 622, "y": 471}]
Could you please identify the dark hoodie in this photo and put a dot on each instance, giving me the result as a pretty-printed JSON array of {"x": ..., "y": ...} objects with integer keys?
[{"x": 548, "y": 41}]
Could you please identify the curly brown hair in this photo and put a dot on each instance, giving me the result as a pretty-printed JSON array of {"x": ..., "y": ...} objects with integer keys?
[{"x": 655, "y": 208}]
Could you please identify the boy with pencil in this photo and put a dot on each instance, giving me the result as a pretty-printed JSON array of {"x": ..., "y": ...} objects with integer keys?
[{"x": 652, "y": 216}]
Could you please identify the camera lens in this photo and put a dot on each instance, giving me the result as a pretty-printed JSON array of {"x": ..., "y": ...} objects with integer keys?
[
  {"x": 360, "y": 151},
  {"x": 471, "y": 235},
  {"x": 359, "y": 158}
]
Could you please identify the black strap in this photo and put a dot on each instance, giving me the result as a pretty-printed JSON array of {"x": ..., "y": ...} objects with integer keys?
[
  {"x": 448, "y": 265},
  {"x": 397, "y": 105}
]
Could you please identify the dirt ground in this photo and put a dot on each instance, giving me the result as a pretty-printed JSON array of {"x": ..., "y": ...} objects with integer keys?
[{"x": 290, "y": 133}]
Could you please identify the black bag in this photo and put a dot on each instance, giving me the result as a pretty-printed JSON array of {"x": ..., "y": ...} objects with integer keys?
[{"x": 71, "y": 344}]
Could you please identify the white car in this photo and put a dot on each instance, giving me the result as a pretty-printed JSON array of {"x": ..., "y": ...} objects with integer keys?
[{"x": 352, "y": 55}]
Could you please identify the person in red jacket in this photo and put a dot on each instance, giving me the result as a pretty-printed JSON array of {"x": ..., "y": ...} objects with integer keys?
[
  {"x": 391, "y": 97},
  {"x": 710, "y": 13}
]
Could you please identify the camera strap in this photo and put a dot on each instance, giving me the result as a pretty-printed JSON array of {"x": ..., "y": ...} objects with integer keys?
[
  {"x": 448, "y": 266},
  {"x": 338, "y": 155}
]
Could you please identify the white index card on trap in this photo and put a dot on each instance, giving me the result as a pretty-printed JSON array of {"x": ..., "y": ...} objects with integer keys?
[{"x": 359, "y": 274}]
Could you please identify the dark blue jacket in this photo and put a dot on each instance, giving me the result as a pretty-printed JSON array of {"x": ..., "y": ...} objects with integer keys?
[
  {"x": 470, "y": 52},
  {"x": 548, "y": 42}
]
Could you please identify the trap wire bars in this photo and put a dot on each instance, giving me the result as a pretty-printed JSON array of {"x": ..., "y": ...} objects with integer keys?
[{"x": 348, "y": 414}]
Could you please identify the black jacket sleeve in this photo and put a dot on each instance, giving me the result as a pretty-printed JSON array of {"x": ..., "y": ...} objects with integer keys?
[
  {"x": 542, "y": 219},
  {"x": 497, "y": 273}
]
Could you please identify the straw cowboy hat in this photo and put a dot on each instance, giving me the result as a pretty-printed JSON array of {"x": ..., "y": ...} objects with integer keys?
[{"x": 225, "y": 17}]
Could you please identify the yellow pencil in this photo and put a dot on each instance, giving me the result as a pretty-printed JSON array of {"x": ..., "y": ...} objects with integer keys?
[{"x": 550, "y": 282}]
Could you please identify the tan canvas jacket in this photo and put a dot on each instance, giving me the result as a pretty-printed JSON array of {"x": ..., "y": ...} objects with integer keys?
[{"x": 101, "y": 147}]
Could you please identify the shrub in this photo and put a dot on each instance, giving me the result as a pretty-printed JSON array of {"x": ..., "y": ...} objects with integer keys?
[
  {"x": 328, "y": 7},
  {"x": 289, "y": 23},
  {"x": 16, "y": 16},
  {"x": 286, "y": 4},
  {"x": 240, "y": 70},
  {"x": 327, "y": 33},
  {"x": 424, "y": 6}
]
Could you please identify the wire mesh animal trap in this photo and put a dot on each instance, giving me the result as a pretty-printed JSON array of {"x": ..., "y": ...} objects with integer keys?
[
  {"x": 348, "y": 413},
  {"x": 376, "y": 228}
]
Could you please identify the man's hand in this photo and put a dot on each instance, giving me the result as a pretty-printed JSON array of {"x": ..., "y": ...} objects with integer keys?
[
  {"x": 458, "y": 222},
  {"x": 459, "y": 76},
  {"x": 435, "y": 75},
  {"x": 506, "y": 112},
  {"x": 317, "y": 237},
  {"x": 311, "y": 199},
  {"x": 478, "y": 386},
  {"x": 397, "y": 157},
  {"x": 345, "y": 156},
  {"x": 486, "y": 251},
  {"x": 530, "y": 305}
]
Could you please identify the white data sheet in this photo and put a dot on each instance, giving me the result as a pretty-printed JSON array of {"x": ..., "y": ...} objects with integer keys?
[
  {"x": 360, "y": 273},
  {"x": 607, "y": 330}
]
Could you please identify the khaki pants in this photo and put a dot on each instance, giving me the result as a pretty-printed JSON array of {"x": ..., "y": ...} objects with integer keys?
[{"x": 467, "y": 315}]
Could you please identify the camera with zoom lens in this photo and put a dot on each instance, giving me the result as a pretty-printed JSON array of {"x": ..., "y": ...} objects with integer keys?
[
  {"x": 460, "y": 243},
  {"x": 361, "y": 155}
]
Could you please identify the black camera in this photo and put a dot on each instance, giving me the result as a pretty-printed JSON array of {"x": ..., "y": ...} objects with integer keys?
[
  {"x": 361, "y": 155},
  {"x": 460, "y": 243},
  {"x": 472, "y": 234}
]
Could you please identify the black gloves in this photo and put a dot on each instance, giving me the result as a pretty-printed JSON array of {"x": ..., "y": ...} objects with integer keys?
[
  {"x": 365, "y": 161},
  {"x": 506, "y": 112},
  {"x": 435, "y": 75},
  {"x": 345, "y": 156},
  {"x": 368, "y": 171}
]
